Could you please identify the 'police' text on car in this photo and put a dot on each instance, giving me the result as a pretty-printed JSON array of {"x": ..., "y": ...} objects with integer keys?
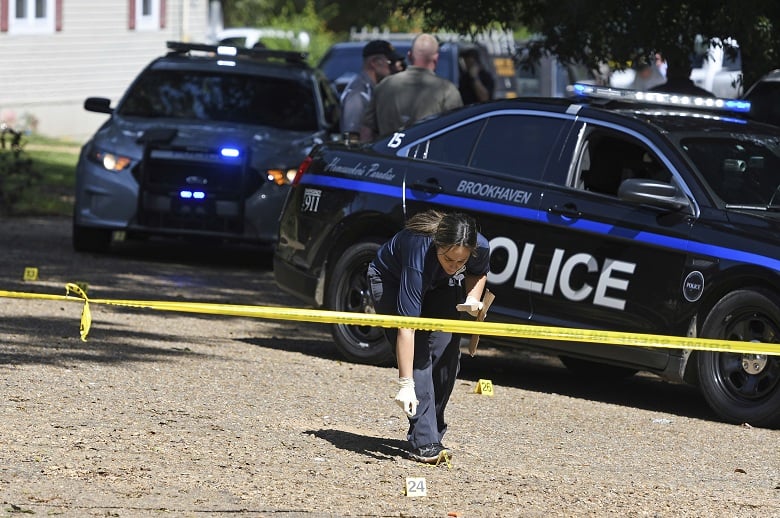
[{"x": 601, "y": 214}]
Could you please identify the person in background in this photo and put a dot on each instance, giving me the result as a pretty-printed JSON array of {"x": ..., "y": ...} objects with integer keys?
[
  {"x": 408, "y": 96},
  {"x": 476, "y": 84},
  {"x": 425, "y": 270},
  {"x": 398, "y": 65},
  {"x": 380, "y": 59},
  {"x": 648, "y": 75},
  {"x": 678, "y": 78}
]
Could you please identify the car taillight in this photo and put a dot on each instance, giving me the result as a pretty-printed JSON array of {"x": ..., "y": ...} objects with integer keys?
[{"x": 302, "y": 169}]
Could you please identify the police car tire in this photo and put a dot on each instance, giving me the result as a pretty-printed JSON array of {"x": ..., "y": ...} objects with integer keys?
[
  {"x": 361, "y": 344},
  {"x": 742, "y": 315},
  {"x": 90, "y": 239}
]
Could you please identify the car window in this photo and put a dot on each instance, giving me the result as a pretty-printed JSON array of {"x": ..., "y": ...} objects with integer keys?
[
  {"x": 338, "y": 62},
  {"x": 741, "y": 171},
  {"x": 765, "y": 102},
  {"x": 453, "y": 147},
  {"x": 330, "y": 102},
  {"x": 608, "y": 159},
  {"x": 258, "y": 100},
  {"x": 517, "y": 145}
]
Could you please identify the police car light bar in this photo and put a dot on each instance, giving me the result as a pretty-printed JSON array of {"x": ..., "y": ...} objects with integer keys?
[
  {"x": 290, "y": 56},
  {"x": 667, "y": 99}
]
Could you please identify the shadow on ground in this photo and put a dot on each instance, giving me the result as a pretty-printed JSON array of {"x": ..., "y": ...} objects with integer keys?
[
  {"x": 517, "y": 368},
  {"x": 55, "y": 341},
  {"x": 379, "y": 448}
]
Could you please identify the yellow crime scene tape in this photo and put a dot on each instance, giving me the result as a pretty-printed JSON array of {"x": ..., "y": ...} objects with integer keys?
[{"x": 430, "y": 324}]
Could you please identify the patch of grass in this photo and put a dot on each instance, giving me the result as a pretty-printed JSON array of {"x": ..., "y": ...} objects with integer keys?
[{"x": 55, "y": 161}]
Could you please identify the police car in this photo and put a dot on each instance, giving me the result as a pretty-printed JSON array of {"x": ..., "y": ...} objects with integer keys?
[
  {"x": 611, "y": 210},
  {"x": 203, "y": 144}
]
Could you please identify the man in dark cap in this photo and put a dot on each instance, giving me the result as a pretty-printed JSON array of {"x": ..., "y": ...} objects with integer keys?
[
  {"x": 379, "y": 61},
  {"x": 411, "y": 95}
]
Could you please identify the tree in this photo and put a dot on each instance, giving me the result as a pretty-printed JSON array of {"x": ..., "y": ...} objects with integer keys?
[{"x": 617, "y": 31}]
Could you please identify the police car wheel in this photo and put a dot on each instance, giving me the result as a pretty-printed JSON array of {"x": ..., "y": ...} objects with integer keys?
[
  {"x": 88, "y": 239},
  {"x": 743, "y": 388},
  {"x": 348, "y": 290}
]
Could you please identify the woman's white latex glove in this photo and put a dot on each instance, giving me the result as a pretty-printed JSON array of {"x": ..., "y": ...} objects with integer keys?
[{"x": 406, "y": 398}]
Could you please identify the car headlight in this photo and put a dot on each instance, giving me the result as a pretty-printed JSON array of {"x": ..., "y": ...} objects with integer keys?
[
  {"x": 110, "y": 161},
  {"x": 282, "y": 176}
]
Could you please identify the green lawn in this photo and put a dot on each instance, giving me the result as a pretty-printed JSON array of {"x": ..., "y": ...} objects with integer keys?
[{"x": 55, "y": 161}]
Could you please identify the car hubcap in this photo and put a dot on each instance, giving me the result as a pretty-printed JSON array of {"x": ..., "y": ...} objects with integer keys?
[
  {"x": 754, "y": 363},
  {"x": 357, "y": 299},
  {"x": 750, "y": 376}
]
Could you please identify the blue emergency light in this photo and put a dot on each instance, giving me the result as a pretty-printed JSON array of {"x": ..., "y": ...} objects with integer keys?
[
  {"x": 661, "y": 98},
  {"x": 192, "y": 195},
  {"x": 230, "y": 152}
]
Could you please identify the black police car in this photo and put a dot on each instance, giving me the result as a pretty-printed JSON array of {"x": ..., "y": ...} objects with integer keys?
[
  {"x": 625, "y": 214},
  {"x": 203, "y": 144}
]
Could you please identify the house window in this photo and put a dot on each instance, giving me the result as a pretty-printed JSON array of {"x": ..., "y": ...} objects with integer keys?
[
  {"x": 31, "y": 16},
  {"x": 147, "y": 14}
]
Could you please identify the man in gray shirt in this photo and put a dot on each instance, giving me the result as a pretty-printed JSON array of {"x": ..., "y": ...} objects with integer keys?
[
  {"x": 379, "y": 58},
  {"x": 411, "y": 95}
]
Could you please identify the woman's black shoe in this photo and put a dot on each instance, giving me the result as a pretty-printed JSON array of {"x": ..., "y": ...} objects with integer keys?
[{"x": 430, "y": 453}]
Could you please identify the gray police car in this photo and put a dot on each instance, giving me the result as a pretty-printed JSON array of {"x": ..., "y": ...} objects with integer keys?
[
  {"x": 203, "y": 144},
  {"x": 614, "y": 210}
]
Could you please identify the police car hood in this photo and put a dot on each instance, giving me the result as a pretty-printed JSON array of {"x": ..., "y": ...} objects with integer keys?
[{"x": 268, "y": 146}]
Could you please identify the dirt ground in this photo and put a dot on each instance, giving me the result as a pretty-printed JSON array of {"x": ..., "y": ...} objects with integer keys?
[{"x": 167, "y": 414}]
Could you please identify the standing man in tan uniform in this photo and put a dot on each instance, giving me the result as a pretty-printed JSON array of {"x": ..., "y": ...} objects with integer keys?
[{"x": 408, "y": 96}]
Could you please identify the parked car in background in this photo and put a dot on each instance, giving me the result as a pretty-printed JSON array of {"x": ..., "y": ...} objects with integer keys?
[
  {"x": 344, "y": 60},
  {"x": 611, "y": 210},
  {"x": 764, "y": 97},
  {"x": 202, "y": 144},
  {"x": 249, "y": 37}
]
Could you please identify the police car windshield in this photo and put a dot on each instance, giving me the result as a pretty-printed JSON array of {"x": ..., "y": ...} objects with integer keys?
[
  {"x": 742, "y": 169},
  {"x": 244, "y": 99}
]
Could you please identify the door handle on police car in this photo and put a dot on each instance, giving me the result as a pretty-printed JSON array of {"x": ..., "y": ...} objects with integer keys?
[
  {"x": 568, "y": 210},
  {"x": 431, "y": 186}
]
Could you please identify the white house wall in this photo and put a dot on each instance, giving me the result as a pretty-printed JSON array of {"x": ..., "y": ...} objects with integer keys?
[{"x": 46, "y": 77}]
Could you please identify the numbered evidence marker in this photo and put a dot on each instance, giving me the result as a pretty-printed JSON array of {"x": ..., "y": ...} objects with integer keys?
[
  {"x": 30, "y": 274},
  {"x": 484, "y": 387},
  {"x": 416, "y": 486}
]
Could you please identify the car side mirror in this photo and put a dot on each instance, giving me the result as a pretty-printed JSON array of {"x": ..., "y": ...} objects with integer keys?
[
  {"x": 652, "y": 192},
  {"x": 98, "y": 104}
]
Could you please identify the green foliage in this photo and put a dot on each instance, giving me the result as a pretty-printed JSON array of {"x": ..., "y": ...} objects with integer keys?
[
  {"x": 307, "y": 19},
  {"x": 592, "y": 32},
  {"x": 36, "y": 178},
  {"x": 16, "y": 172},
  {"x": 466, "y": 18},
  {"x": 615, "y": 31},
  {"x": 295, "y": 16}
]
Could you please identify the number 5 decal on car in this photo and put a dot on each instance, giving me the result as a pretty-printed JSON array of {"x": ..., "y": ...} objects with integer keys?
[{"x": 396, "y": 140}]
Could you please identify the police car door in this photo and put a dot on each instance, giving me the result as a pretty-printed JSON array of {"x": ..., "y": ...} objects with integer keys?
[
  {"x": 604, "y": 262},
  {"x": 490, "y": 166}
]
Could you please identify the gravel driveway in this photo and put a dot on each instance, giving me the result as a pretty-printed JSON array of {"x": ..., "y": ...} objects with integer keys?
[{"x": 165, "y": 414}]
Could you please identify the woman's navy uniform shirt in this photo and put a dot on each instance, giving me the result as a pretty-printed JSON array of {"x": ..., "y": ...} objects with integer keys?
[{"x": 409, "y": 261}]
